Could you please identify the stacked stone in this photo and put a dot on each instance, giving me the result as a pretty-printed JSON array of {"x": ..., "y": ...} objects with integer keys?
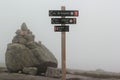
[
  {"x": 23, "y": 35},
  {"x": 24, "y": 53}
]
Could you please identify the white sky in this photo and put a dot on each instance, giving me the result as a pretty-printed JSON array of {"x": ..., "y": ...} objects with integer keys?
[{"x": 92, "y": 43}]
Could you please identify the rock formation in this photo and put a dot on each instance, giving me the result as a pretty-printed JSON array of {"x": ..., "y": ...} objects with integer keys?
[
  {"x": 53, "y": 72},
  {"x": 24, "y": 52}
]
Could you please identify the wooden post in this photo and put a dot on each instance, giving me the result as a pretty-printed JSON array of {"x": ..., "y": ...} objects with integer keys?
[{"x": 63, "y": 49}]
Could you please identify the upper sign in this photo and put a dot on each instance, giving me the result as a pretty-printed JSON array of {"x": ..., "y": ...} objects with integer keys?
[{"x": 63, "y": 13}]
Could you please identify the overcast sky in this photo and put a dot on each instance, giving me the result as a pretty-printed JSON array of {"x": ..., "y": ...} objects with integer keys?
[{"x": 93, "y": 43}]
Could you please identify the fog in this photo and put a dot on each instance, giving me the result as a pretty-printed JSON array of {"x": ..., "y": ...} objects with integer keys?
[{"x": 92, "y": 43}]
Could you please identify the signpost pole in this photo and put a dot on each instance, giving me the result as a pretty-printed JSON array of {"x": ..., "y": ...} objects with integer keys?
[
  {"x": 63, "y": 29},
  {"x": 63, "y": 49}
]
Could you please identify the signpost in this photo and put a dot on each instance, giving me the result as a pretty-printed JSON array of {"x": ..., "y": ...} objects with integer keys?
[
  {"x": 63, "y": 49},
  {"x": 63, "y": 29}
]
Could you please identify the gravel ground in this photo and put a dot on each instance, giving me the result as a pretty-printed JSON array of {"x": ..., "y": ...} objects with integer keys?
[
  {"x": 4, "y": 75},
  {"x": 16, "y": 76}
]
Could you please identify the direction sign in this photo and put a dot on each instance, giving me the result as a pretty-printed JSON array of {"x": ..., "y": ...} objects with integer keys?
[
  {"x": 63, "y": 20},
  {"x": 63, "y": 13},
  {"x": 61, "y": 28}
]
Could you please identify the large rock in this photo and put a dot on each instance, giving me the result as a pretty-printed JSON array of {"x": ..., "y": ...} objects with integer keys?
[
  {"x": 45, "y": 58},
  {"x": 53, "y": 72},
  {"x": 18, "y": 56},
  {"x": 30, "y": 70},
  {"x": 25, "y": 52}
]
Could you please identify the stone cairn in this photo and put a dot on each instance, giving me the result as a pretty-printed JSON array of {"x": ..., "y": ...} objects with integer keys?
[
  {"x": 23, "y": 35},
  {"x": 26, "y": 55}
]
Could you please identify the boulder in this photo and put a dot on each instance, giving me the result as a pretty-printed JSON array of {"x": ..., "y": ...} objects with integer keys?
[
  {"x": 19, "y": 56},
  {"x": 25, "y": 52},
  {"x": 53, "y": 72},
  {"x": 45, "y": 58},
  {"x": 30, "y": 70}
]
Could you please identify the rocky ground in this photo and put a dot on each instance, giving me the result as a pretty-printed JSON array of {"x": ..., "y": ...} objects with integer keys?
[{"x": 4, "y": 75}]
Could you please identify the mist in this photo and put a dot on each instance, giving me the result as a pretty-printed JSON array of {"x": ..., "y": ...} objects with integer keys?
[{"x": 92, "y": 43}]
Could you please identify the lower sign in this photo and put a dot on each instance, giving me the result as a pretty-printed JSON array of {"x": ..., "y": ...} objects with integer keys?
[
  {"x": 61, "y": 28},
  {"x": 63, "y": 20}
]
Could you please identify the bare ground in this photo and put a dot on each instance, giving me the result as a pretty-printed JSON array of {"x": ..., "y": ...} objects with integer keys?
[
  {"x": 16, "y": 76},
  {"x": 4, "y": 75}
]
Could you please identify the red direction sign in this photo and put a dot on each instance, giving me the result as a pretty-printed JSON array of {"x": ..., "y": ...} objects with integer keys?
[
  {"x": 63, "y": 13},
  {"x": 61, "y": 28},
  {"x": 63, "y": 20}
]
